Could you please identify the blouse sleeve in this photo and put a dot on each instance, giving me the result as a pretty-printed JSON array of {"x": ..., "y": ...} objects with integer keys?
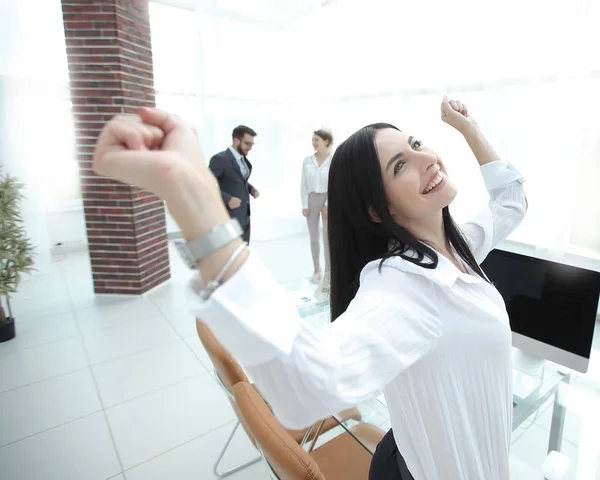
[
  {"x": 305, "y": 373},
  {"x": 304, "y": 187},
  {"x": 505, "y": 210}
]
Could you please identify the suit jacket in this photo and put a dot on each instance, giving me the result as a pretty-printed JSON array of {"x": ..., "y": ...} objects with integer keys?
[{"x": 232, "y": 183}]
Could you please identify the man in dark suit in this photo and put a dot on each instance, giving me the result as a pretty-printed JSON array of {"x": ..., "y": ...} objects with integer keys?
[{"x": 233, "y": 170}]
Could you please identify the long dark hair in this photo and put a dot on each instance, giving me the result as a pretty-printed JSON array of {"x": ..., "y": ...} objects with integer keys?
[{"x": 355, "y": 190}]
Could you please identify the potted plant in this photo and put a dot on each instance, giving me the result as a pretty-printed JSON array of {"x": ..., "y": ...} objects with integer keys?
[{"x": 16, "y": 251}]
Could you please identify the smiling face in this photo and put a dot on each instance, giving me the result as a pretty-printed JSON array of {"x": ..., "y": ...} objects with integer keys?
[
  {"x": 415, "y": 181},
  {"x": 319, "y": 144}
]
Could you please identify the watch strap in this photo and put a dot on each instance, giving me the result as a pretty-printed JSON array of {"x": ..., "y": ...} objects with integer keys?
[{"x": 217, "y": 238}]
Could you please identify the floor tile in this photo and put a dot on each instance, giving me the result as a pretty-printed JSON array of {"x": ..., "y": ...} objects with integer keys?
[
  {"x": 83, "y": 297},
  {"x": 136, "y": 375},
  {"x": 79, "y": 450},
  {"x": 10, "y": 346},
  {"x": 131, "y": 337},
  {"x": 582, "y": 417},
  {"x": 588, "y": 384},
  {"x": 518, "y": 433},
  {"x": 196, "y": 346},
  {"x": 40, "y": 363},
  {"x": 183, "y": 321},
  {"x": 529, "y": 452},
  {"x": 171, "y": 295},
  {"x": 146, "y": 427},
  {"x": 34, "y": 408},
  {"x": 195, "y": 459},
  {"x": 110, "y": 315},
  {"x": 41, "y": 308},
  {"x": 41, "y": 331},
  {"x": 40, "y": 296},
  {"x": 43, "y": 288},
  {"x": 169, "y": 417}
]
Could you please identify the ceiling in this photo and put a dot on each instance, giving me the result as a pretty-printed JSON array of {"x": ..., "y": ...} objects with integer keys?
[{"x": 274, "y": 13}]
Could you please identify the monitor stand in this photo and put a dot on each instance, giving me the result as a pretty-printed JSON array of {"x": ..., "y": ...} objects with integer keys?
[{"x": 526, "y": 363}]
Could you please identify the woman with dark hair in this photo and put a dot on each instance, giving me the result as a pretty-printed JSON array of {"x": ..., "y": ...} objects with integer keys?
[
  {"x": 313, "y": 194},
  {"x": 413, "y": 314}
]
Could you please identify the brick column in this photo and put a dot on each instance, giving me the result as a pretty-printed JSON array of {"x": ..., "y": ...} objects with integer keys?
[{"x": 110, "y": 70}]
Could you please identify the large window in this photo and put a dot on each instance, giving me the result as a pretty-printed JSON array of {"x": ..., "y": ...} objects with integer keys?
[
  {"x": 229, "y": 72},
  {"x": 34, "y": 70},
  {"x": 530, "y": 73},
  {"x": 531, "y": 78}
]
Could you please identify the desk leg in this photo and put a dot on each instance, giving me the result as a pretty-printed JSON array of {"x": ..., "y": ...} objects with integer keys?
[
  {"x": 557, "y": 426},
  {"x": 558, "y": 418}
]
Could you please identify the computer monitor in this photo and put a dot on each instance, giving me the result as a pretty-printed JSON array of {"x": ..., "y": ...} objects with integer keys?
[{"x": 552, "y": 307}]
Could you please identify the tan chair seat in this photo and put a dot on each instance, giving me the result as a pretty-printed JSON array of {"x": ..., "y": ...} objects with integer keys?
[
  {"x": 280, "y": 446},
  {"x": 369, "y": 435},
  {"x": 343, "y": 458}
]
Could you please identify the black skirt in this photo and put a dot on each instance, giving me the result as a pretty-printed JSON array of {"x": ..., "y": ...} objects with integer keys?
[{"x": 387, "y": 463}]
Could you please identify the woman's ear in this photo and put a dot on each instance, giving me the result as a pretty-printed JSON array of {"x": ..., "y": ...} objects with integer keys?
[{"x": 373, "y": 216}]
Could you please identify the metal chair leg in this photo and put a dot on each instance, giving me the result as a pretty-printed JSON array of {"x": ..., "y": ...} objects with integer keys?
[
  {"x": 306, "y": 436},
  {"x": 222, "y": 454},
  {"x": 316, "y": 437}
]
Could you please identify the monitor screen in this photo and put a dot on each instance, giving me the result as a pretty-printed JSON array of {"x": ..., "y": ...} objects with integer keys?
[{"x": 550, "y": 302}]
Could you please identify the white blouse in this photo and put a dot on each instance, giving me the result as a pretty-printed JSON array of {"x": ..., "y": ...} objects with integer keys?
[
  {"x": 314, "y": 177},
  {"x": 436, "y": 342}
]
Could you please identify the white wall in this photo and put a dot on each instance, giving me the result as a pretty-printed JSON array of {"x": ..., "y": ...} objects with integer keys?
[
  {"x": 17, "y": 158},
  {"x": 67, "y": 227},
  {"x": 286, "y": 82},
  {"x": 251, "y": 74}
]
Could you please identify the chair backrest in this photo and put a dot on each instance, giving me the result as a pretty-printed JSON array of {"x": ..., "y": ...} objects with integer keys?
[
  {"x": 229, "y": 370},
  {"x": 288, "y": 460}
]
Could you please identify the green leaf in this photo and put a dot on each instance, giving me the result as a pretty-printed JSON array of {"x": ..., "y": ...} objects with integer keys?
[{"x": 16, "y": 250}]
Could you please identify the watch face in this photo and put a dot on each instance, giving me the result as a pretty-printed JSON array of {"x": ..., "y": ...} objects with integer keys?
[{"x": 185, "y": 253}]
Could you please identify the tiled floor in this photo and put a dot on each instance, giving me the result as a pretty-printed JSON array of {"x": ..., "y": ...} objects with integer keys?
[{"x": 118, "y": 387}]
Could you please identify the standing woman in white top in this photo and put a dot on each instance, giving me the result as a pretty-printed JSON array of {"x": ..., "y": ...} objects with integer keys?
[
  {"x": 414, "y": 315},
  {"x": 313, "y": 193}
]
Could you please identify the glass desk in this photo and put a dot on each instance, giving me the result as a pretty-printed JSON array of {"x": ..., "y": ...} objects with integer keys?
[{"x": 551, "y": 411}]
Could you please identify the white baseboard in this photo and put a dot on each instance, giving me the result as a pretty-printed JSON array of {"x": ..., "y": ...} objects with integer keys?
[{"x": 69, "y": 247}]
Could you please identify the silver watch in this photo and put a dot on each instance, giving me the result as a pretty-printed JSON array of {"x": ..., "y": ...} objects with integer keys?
[{"x": 218, "y": 237}]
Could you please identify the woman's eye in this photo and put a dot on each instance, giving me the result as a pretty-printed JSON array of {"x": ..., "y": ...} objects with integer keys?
[
  {"x": 417, "y": 144},
  {"x": 397, "y": 167}
]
